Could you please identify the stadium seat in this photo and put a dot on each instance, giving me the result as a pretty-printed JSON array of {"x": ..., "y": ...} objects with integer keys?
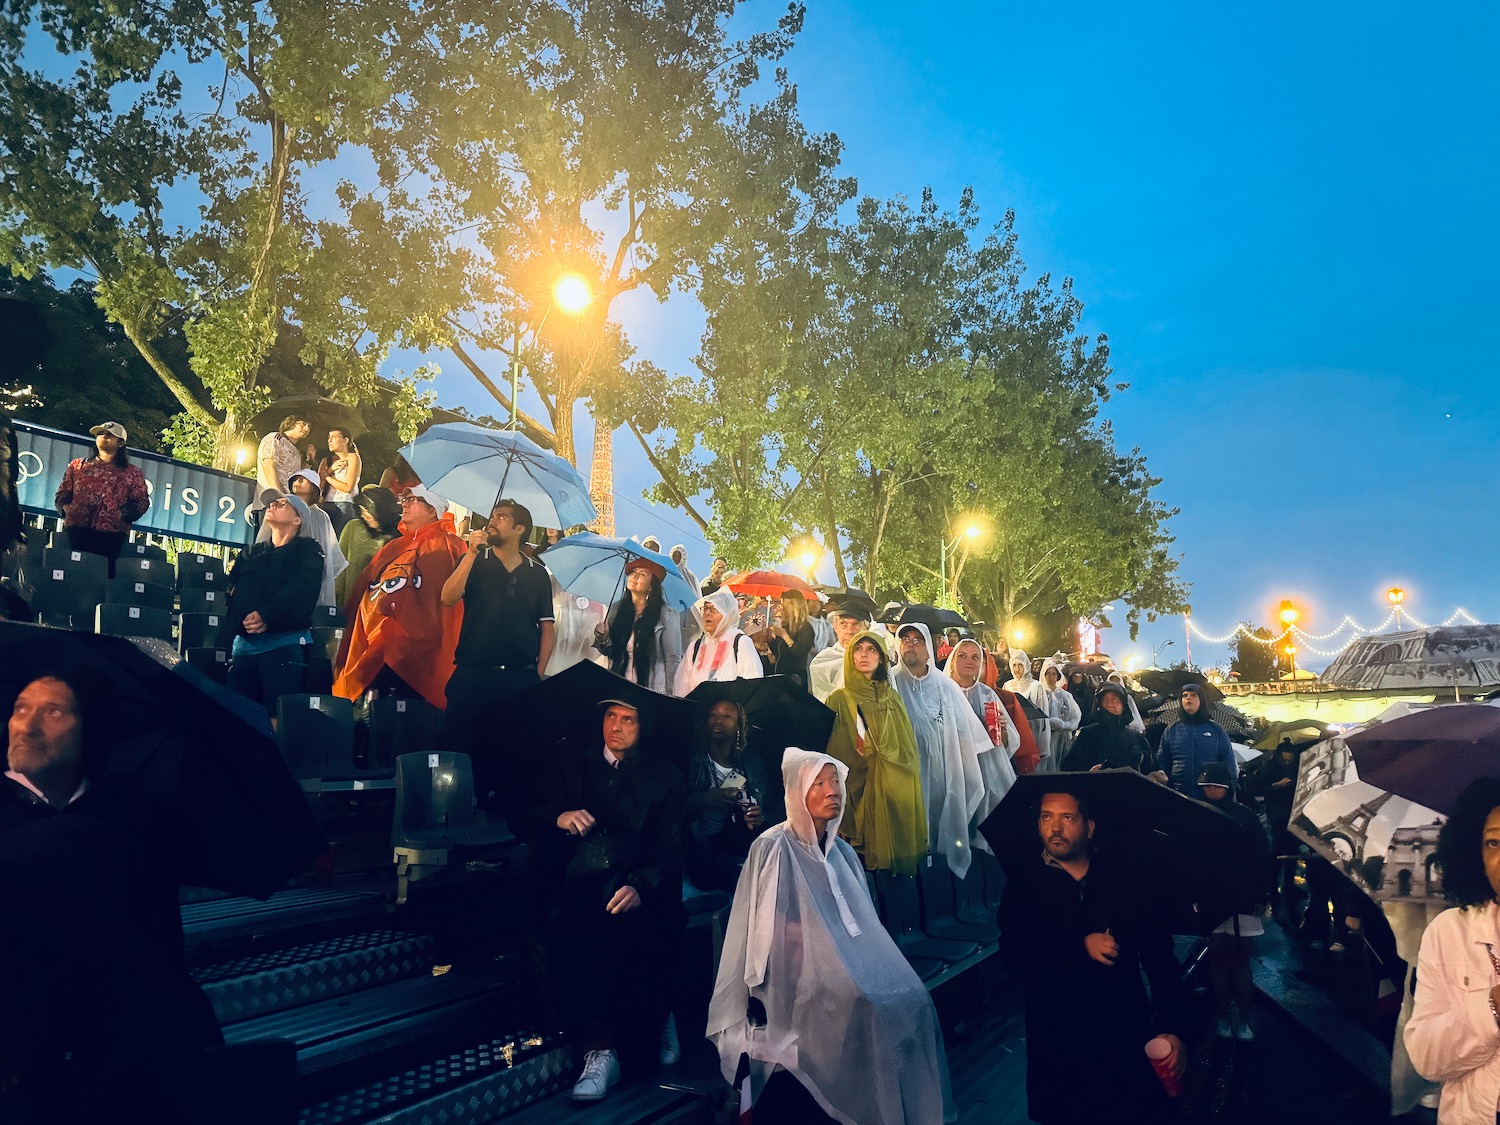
[
  {"x": 435, "y": 819},
  {"x": 327, "y": 616},
  {"x": 203, "y": 630},
  {"x": 61, "y": 595},
  {"x": 127, "y": 590},
  {"x": 142, "y": 550},
  {"x": 900, "y": 912},
  {"x": 203, "y": 599},
  {"x": 76, "y": 564},
  {"x": 940, "y": 918},
  {"x": 212, "y": 662},
  {"x": 157, "y": 571},
  {"x": 196, "y": 571},
  {"x": 400, "y": 726},
  {"x": 133, "y": 621},
  {"x": 326, "y": 639},
  {"x": 312, "y": 730}
]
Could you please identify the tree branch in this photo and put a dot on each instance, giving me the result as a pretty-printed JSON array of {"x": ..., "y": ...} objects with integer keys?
[
  {"x": 500, "y": 396},
  {"x": 671, "y": 485}
]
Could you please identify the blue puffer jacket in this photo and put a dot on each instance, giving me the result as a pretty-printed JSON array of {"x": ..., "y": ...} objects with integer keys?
[{"x": 1186, "y": 747}]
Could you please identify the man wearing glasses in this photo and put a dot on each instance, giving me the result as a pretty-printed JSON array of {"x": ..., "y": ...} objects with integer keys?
[
  {"x": 401, "y": 636},
  {"x": 508, "y": 632}
]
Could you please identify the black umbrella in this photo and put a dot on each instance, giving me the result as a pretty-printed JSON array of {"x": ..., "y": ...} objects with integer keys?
[
  {"x": 1172, "y": 682},
  {"x": 200, "y": 756},
  {"x": 918, "y": 614},
  {"x": 780, "y": 713},
  {"x": 1189, "y": 862},
  {"x": 850, "y": 598},
  {"x": 515, "y": 737},
  {"x": 1430, "y": 757},
  {"x": 1086, "y": 668}
]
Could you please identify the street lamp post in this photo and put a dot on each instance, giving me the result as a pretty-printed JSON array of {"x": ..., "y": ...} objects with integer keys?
[
  {"x": 1156, "y": 652},
  {"x": 572, "y": 294},
  {"x": 1396, "y": 595},
  {"x": 970, "y": 532},
  {"x": 1291, "y": 651}
]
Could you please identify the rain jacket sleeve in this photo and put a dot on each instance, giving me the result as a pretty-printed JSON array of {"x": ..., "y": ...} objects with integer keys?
[{"x": 1452, "y": 1035}]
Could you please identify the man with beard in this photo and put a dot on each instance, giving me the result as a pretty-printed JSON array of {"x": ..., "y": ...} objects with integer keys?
[
  {"x": 1071, "y": 931},
  {"x": 951, "y": 739},
  {"x": 825, "y": 671}
]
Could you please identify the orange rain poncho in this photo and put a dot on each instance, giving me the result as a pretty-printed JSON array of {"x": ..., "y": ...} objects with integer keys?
[{"x": 397, "y": 618}]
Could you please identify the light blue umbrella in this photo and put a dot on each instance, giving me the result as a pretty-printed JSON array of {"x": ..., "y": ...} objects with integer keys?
[
  {"x": 476, "y": 466},
  {"x": 593, "y": 567}
]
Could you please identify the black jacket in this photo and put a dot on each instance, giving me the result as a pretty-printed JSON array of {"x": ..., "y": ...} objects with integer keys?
[
  {"x": 1086, "y": 1023},
  {"x": 710, "y": 831},
  {"x": 637, "y": 807},
  {"x": 279, "y": 583},
  {"x": 1109, "y": 742}
]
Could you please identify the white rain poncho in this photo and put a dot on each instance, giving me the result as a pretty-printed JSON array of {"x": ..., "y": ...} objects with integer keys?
[
  {"x": 1062, "y": 711},
  {"x": 951, "y": 739},
  {"x": 845, "y": 1012},
  {"x": 727, "y": 655},
  {"x": 317, "y": 527},
  {"x": 999, "y": 774},
  {"x": 825, "y": 672}
]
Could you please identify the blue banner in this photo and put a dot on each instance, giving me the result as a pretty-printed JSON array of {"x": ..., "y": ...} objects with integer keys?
[{"x": 188, "y": 501}]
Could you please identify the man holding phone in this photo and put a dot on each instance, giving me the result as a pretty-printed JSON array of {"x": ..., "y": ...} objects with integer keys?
[{"x": 507, "y": 632}]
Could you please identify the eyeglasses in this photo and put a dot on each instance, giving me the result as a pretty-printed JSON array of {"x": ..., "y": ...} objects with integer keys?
[{"x": 282, "y": 502}]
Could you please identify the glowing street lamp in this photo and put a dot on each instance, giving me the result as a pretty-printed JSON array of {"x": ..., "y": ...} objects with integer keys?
[
  {"x": 1291, "y": 652},
  {"x": 1396, "y": 595},
  {"x": 1288, "y": 614},
  {"x": 1018, "y": 636},
  {"x": 808, "y": 553},
  {"x": 971, "y": 530},
  {"x": 571, "y": 293}
]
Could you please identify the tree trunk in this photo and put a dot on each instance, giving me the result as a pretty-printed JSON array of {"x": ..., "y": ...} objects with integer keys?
[
  {"x": 602, "y": 478},
  {"x": 562, "y": 426},
  {"x": 225, "y": 445},
  {"x": 831, "y": 532},
  {"x": 179, "y": 389}
]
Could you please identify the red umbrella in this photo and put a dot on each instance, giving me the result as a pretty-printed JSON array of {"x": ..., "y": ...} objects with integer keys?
[{"x": 768, "y": 584}]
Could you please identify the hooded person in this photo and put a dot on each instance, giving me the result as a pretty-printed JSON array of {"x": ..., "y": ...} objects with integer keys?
[
  {"x": 1109, "y": 742},
  {"x": 1136, "y": 723},
  {"x": 963, "y": 666},
  {"x": 400, "y": 635},
  {"x": 811, "y": 990},
  {"x": 720, "y": 651},
  {"x": 1061, "y": 709},
  {"x": 679, "y": 555},
  {"x": 951, "y": 739},
  {"x": 1193, "y": 742},
  {"x": 886, "y": 817},
  {"x": 316, "y": 526}
]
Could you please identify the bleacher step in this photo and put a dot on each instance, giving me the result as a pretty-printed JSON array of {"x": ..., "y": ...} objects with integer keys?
[
  {"x": 305, "y": 974},
  {"x": 219, "y": 921},
  {"x": 468, "y": 1086},
  {"x": 349, "y": 1040}
]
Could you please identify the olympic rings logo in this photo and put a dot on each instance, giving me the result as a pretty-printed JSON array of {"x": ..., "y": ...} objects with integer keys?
[{"x": 24, "y": 470}]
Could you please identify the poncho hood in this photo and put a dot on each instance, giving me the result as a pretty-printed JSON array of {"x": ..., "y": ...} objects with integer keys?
[
  {"x": 972, "y": 643},
  {"x": 721, "y": 599},
  {"x": 926, "y": 638},
  {"x": 799, "y": 769}
]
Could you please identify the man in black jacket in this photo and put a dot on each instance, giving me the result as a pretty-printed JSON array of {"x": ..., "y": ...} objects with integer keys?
[
  {"x": 273, "y": 587},
  {"x": 608, "y": 887},
  {"x": 1075, "y": 935}
]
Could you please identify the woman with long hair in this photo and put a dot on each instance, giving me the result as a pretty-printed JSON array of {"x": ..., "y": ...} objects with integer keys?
[
  {"x": 872, "y": 735},
  {"x": 641, "y": 639},
  {"x": 1453, "y": 1035},
  {"x": 102, "y": 495},
  {"x": 790, "y": 639}
]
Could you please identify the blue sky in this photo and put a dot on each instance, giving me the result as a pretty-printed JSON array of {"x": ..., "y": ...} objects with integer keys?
[{"x": 1284, "y": 221}]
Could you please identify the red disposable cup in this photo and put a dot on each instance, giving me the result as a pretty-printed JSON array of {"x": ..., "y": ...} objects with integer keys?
[{"x": 1157, "y": 1051}]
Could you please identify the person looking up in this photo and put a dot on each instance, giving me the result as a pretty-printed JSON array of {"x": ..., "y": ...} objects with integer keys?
[
  {"x": 731, "y": 799},
  {"x": 1191, "y": 743},
  {"x": 278, "y": 457},
  {"x": 720, "y": 651},
  {"x": 641, "y": 637},
  {"x": 825, "y": 671}
]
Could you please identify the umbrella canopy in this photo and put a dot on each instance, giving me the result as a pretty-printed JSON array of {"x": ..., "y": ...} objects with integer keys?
[
  {"x": 592, "y": 566},
  {"x": 1437, "y": 658},
  {"x": 916, "y": 613},
  {"x": 477, "y": 466},
  {"x": 565, "y": 711},
  {"x": 1302, "y": 732},
  {"x": 779, "y": 711},
  {"x": 851, "y": 598},
  {"x": 1189, "y": 861},
  {"x": 767, "y": 584},
  {"x": 321, "y": 413},
  {"x": 200, "y": 755},
  {"x": 1430, "y": 757},
  {"x": 1086, "y": 668},
  {"x": 1172, "y": 682}
]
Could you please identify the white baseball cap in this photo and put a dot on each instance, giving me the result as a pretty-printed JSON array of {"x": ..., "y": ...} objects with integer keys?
[{"x": 110, "y": 428}]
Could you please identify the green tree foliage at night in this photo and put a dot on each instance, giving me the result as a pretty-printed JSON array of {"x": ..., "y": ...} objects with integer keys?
[
  {"x": 1259, "y": 661},
  {"x": 897, "y": 381}
]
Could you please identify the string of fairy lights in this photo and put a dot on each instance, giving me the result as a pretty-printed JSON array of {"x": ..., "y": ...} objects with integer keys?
[{"x": 1305, "y": 640}]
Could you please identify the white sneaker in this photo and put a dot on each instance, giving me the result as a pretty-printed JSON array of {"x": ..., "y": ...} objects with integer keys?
[
  {"x": 601, "y": 1070},
  {"x": 671, "y": 1050}
]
